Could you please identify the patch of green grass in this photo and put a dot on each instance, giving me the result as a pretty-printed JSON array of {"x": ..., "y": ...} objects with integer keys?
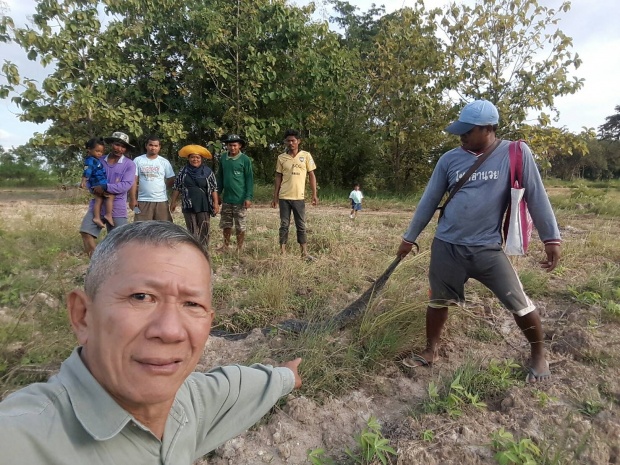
[
  {"x": 589, "y": 199},
  {"x": 535, "y": 282},
  {"x": 602, "y": 288},
  {"x": 482, "y": 333},
  {"x": 471, "y": 384},
  {"x": 591, "y": 408},
  {"x": 509, "y": 451},
  {"x": 600, "y": 359}
]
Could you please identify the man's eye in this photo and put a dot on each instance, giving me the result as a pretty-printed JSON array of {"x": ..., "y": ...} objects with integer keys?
[
  {"x": 141, "y": 296},
  {"x": 192, "y": 304}
]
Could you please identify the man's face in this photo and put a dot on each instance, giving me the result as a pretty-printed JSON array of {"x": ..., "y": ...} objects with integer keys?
[
  {"x": 476, "y": 139},
  {"x": 292, "y": 144},
  {"x": 146, "y": 328},
  {"x": 152, "y": 148},
  {"x": 118, "y": 148},
  {"x": 234, "y": 148}
]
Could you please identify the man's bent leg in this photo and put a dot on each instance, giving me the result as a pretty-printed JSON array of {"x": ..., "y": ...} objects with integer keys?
[
  {"x": 89, "y": 243},
  {"x": 532, "y": 329},
  {"x": 498, "y": 274},
  {"x": 89, "y": 232},
  {"x": 436, "y": 318}
]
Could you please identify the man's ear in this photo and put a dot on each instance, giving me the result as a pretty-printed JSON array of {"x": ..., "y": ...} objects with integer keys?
[{"x": 78, "y": 304}]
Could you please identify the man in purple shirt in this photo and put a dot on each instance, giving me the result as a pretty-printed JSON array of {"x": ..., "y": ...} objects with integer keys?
[{"x": 121, "y": 173}]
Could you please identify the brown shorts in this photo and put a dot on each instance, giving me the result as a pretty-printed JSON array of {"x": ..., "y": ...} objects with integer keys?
[
  {"x": 91, "y": 228},
  {"x": 159, "y": 211},
  {"x": 452, "y": 265},
  {"x": 233, "y": 214}
]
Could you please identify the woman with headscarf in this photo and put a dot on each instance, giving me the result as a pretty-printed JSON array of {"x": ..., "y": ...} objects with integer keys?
[{"x": 197, "y": 186}]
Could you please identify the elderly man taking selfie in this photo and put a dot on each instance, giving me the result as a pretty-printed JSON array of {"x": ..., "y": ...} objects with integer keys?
[{"x": 129, "y": 393}]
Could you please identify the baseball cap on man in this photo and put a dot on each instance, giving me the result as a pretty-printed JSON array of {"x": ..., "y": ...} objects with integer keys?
[
  {"x": 476, "y": 113},
  {"x": 119, "y": 137}
]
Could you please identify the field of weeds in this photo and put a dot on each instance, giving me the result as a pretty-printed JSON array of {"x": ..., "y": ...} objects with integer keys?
[{"x": 472, "y": 407}]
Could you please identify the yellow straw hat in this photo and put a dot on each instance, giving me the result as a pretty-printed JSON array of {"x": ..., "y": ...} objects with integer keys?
[{"x": 197, "y": 149}]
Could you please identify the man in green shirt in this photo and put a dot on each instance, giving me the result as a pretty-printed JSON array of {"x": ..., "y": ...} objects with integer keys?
[
  {"x": 235, "y": 185},
  {"x": 128, "y": 394}
]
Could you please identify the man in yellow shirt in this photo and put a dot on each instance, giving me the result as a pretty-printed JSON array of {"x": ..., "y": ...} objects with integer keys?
[{"x": 290, "y": 187}]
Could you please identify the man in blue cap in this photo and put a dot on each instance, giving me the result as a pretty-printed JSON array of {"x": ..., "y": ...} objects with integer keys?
[{"x": 468, "y": 239}]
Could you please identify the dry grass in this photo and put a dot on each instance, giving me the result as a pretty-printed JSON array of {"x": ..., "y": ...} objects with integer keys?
[{"x": 42, "y": 260}]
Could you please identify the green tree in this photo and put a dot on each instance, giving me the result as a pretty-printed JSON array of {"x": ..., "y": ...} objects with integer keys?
[
  {"x": 611, "y": 129},
  {"x": 512, "y": 53},
  {"x": 404, "y": 72},
  {"x": 188, "y": 70}
]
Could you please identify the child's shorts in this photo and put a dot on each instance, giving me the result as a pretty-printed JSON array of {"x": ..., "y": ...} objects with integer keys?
[
  {"x": 356, "y": 206},
  {"x": 104, "y": 186}
]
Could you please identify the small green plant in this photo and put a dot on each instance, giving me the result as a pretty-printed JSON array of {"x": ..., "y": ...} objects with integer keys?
[
  {"x": 318, "y": 457},
  {"x": 510, "y": 452},
  {"x": 372, "y": 445},
  {"x": 427, "y": 435},
  {"x": 585, "y": 297},
  {"x": 452, "y": 403},
  {"x": 458, "y": 391},
  {"x": 543, "y": 398},
  {"x": 591, "y": 408}
]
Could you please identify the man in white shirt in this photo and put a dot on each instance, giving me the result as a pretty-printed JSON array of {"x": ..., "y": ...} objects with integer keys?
[{"x": 154, "y": 175}]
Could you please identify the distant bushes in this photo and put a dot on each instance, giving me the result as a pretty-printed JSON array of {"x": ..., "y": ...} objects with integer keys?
[{"x": 19, "y": 174}]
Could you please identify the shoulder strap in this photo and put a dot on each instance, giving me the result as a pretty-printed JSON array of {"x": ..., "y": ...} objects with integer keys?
[
  {"x": 516, "y": 164},
  {"x": 467, "y": 175}
]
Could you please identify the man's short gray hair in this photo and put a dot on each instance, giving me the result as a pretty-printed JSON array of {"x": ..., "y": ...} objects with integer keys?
[{"x": 156, "y": 233}]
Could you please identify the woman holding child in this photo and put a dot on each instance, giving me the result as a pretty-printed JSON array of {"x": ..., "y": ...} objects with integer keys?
[{"x": 197, "y": 186}]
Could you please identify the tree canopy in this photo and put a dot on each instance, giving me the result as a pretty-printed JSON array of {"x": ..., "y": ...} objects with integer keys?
[{"x": 370, "y": 91}]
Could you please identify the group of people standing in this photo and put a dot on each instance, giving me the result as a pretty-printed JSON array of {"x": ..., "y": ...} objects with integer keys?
[{"x": 115, "y": 181}]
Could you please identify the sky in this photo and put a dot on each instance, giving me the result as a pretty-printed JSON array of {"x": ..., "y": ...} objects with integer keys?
[{"x": 593, "y": 25}]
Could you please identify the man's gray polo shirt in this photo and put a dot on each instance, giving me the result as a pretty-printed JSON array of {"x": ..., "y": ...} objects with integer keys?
[{"x": 71, "y": 419}]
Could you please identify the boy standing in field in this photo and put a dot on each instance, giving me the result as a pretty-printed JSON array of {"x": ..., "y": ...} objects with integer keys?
[
  {"x": 356, "y": 197},
  {"x": 95, "y": 175},
  {"x": 292, "y": 168}
]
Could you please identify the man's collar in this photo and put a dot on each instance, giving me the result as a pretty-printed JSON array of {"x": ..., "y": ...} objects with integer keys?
[
  {"x": 120, "y": 160},
  {"x": 293, "y": 156},
  {"x": 94, "y": 408}
]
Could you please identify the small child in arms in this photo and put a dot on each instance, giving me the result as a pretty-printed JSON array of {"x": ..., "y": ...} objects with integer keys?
[{"x": 95, "y": 175}]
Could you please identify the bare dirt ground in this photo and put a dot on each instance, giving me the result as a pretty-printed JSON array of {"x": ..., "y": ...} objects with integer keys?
[{"x": 583, "y": 349}]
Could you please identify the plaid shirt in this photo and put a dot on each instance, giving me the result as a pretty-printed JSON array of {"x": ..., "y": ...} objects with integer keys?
[{"x": 94, "y": 172}]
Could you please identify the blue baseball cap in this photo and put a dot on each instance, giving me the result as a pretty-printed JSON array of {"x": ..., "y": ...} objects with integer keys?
[{"x": 476, "y": 113}]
